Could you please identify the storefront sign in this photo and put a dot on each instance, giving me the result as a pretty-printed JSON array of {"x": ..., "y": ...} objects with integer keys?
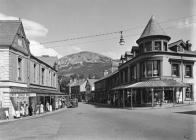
[
  {"x": 22, "y": 94},
  {"x": 32, "y": 94}
]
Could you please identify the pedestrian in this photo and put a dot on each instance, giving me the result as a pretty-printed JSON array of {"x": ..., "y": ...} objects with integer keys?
[
  {"x": 26, "y": 110},
  {"x": 161, "y": 102},
  {"x": 30, "y": 109},
  {"x": 47, "y": 106},
  {"x": 50, "y": 108},
  {"x": 7, "y": 114},
  {"x": 41, "y": 108},
  {"x": 22, "y": 110},
  {"x": 56, "y": 105}
]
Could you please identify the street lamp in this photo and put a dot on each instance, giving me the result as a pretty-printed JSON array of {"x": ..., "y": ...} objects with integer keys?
[{"x": 122, "y": 41}]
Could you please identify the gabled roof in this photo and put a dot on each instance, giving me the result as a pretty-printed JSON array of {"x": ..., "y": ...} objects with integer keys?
[
  {"x": 8, "y": 30},
  {"x": 153, "y": 28},
  {"x": 50, "y": 60},
  {"x": 176, "y": 43}
]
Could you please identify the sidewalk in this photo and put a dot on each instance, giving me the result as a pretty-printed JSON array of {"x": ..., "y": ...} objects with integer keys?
[
  {"x": 165, "y": 106},
  {"x": 34, "y": 116}
]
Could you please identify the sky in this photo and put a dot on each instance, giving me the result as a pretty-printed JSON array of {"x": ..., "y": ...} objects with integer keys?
[{"x": 54, "y": 20}]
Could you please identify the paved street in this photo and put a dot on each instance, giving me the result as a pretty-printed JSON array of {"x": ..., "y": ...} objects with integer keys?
[{"x": 92, "y": 122}]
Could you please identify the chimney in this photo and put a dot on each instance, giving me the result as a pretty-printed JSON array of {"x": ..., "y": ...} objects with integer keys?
[{"x": 188, "y": 45}]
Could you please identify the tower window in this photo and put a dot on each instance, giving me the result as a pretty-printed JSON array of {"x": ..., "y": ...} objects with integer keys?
[
  {"x": 148, "y": 46},
  {"x": 165, "y": 46},
  {"x": 157, "y": 45}
]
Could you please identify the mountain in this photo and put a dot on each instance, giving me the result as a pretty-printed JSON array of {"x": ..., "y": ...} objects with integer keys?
[{"x": 85, "y": 64}]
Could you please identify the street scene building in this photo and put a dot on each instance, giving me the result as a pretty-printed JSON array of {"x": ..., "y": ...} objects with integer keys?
[
  {"x": 154, "y": 72},
  {"x": 25, "y": 80},
  {"x": 82, "y": 89}
]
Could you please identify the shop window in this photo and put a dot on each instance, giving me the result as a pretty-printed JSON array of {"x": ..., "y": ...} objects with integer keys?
[
  {"x": 143, "y": 69},
  {"x": 148, "y": 46},
  {"x": 165, "y": 46},
  {"x": 175, "y": 70},
  {"x": 157, "y": 45},
  {"x": 150, "y": 68},
  {"x": 156, "y": 67},
  {"x": 19, "y": 69},
  {"x": 188, "y": 70},
  {"x": 189, "y": 92},
  {"x": 133, "y": 73}
]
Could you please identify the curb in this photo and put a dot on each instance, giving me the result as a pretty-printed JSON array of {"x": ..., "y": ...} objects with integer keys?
[
  {"x": 34, "y": 116},
  {"x": 143, "y": 108}
]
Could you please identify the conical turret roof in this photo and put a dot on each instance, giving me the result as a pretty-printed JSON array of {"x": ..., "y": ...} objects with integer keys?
[{"x": 153, "y": 28}]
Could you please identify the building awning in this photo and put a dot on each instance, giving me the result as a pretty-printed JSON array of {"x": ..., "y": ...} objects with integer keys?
[
  {"x": 153, "y": 84},
  {"x": 45, "y": 92}
]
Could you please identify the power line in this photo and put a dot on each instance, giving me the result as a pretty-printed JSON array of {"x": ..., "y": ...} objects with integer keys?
[
  {"x": 109, "y": 33},
  {"x": 130, "y": 35}
]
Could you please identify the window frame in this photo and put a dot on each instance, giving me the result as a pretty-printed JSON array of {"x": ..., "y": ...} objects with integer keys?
[
  {"x": 155, "y": 46},
  {"x": 43, "y": 76},
  {"x": 144, "y": 69},
  {"x": 172, "y": 73},
  {"x": 165, "y": 48},
  {"x": 191, "y": 71},
  {"x": 148, "y": 46},
  {"x": 19, "y": 69}
]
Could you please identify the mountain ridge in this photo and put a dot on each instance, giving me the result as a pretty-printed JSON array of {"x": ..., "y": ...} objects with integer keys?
[{"x": 85, "y": 63}]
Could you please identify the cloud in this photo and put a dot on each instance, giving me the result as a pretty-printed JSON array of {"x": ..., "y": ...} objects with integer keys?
[
  {"x": 38, "y": 49},
  {"x": 71, "y": 50},
  {"x": 32, "y": 29},
  {"x": 187, "y": 23}
]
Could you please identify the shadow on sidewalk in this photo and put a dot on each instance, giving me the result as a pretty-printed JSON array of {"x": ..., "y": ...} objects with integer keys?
[{"x": 188, "y": 112}]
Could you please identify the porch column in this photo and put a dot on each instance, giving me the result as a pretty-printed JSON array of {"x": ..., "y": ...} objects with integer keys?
[
  {"x": 173, "y": 97},
  {"x": 50, "y": 100},
  {"x": 141, "y": 93},
  {"x": 182, "y": 95},
  {"x": 152, "y": 92},
  {"x": 131, "y": 98},
  {"x": 163, "y": 95},
  {"x": 123, "y": 98}
]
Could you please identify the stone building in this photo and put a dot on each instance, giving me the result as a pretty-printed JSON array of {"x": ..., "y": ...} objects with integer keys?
[{"x": 155, "y": 72}]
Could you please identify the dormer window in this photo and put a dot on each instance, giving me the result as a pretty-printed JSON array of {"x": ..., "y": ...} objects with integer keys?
[
  {"x": 179, "y": 49},
  {"x": 157, "y": 45}
]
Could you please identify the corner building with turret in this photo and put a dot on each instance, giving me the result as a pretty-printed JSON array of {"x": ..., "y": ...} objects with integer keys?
[{"x": 155, "y": 72}]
